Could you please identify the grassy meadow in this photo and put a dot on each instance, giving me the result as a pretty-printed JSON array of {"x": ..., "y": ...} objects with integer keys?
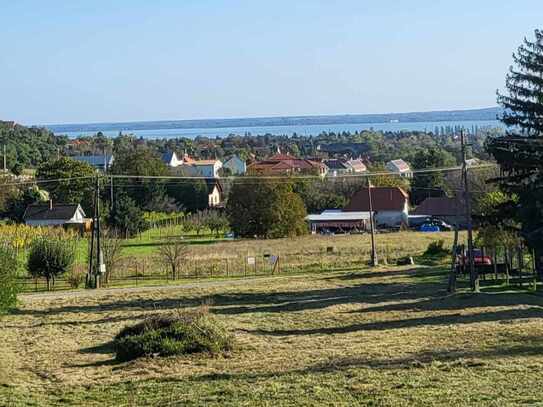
[
  {"x": 212, "y": 257},
  {"x": 385, "y": 337}
]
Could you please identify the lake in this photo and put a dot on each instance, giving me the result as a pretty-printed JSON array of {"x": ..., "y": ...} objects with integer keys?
[{"x": 289, "y": 130}]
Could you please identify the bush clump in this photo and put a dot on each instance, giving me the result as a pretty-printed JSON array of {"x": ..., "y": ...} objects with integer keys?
[
  {"x": 177, "y": 334},
  {"x": 437, "y": 249},
  {"x": 9, "y": 287},
  {"x": 50, "y": 257}
]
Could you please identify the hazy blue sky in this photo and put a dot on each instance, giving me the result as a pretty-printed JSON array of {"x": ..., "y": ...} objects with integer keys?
[{"x": 115, "y": 60}]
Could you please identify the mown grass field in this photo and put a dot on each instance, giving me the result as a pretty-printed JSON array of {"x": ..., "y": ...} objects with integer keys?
[
  {"x": 384, "y": 337},
  {"x": 209, "y": 257}
]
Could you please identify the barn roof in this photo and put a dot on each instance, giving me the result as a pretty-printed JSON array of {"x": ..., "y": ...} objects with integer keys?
[
  {"x": 57, "y": 212},
  {"x": 383, "y": 199},
  {"x": 441, "y": 207}
]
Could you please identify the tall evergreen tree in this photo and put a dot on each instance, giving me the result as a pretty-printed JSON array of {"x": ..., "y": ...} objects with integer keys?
[
  {"x": 524, "y": 83},
  {"x": 520, "y": 152}
]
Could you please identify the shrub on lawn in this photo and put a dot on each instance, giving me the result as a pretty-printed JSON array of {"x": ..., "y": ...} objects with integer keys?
[
  {"x": 177, "y": 334},
  {"x": 50, "y": 257},
  {"x": 437, "y": 249},
  {"x": 9, "y": 288}
]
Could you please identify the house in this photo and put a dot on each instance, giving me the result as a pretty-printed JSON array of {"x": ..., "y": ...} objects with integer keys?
[
  {"x": 205, "y": 168},
  {"x": 171, "y": 160},
  {"x": 357, "y": 166},
  {"x": 450, "y": 210},
  {"x": 55, "y": 215},
  {"x": 215, "y": 193},
  {"x": 285, "y": 164},
  {"x": 400, "y": 167},
  {"x": 337, "y": 220},
  {"x": 100, "y": 162},
  {"x": 390, "y": 205},
  {"x": 235, "y": 165},
  {"x": 337, "y": 167}
]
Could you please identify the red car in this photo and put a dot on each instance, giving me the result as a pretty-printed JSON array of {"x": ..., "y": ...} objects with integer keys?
[{"x": 478, "y": 258}]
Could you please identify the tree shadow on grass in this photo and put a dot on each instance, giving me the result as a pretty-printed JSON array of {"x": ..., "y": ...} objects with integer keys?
[
  {"x": 505, "y": 316},
  {"x": 446, "y": 359}
]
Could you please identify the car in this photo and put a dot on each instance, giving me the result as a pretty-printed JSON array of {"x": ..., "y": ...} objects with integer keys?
[
  {"x": 435, "y": 225},
  {"x": 478, "y": 258}
]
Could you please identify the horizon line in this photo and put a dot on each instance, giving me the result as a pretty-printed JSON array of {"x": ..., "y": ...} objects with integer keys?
[{"x": 259, "y": 117}]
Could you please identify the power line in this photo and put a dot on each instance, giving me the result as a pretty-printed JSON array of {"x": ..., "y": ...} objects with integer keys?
[{"x": 257, "y": 178}]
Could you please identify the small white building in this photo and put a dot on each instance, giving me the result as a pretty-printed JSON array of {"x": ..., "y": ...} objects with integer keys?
[
  {"x": 400, "y": 167},
  {"x": 236, "y": 165},
  {"x": 54, "y": 215},
  {"x": 215, "y": 194},
  {"x": 171, "y": 160}
]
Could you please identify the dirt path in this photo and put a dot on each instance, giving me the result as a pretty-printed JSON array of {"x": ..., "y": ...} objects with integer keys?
[{"x": 112, "y": 291}]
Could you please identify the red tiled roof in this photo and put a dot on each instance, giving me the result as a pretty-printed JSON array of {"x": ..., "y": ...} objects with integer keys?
[
  {"x": 282, "y": 162},
  {"x": 441, "y": 207},
  {"x": 383, "y": 199}
]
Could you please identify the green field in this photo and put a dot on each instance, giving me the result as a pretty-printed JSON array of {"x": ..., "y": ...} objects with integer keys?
[
  {"x": 389, "y": 337},
  {"x": 211, "y": 257}
]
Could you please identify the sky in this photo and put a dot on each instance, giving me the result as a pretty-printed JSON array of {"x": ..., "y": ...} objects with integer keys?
[{"x": 74, "y": 61}]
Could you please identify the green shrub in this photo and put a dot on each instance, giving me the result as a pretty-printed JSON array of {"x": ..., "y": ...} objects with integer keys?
[
  {"x": 9, "y": 287},
  {"x": 437, "y": 249},
  {"x": 181, "y": 333},
  {"x": 50, "y": 257}
]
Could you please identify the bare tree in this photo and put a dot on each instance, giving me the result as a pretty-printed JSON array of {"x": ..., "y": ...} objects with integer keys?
[
  {"x": 111, "y": 250},
  {"x": 173, "y": 256}
]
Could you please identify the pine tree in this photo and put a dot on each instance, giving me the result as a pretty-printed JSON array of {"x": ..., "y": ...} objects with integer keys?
[
  {"x": 520, "y": 152},
  {"x": 524, "y": 103}
]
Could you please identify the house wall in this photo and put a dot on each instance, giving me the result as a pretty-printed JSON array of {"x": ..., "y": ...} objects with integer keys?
[
  {"x": 214, "y": 199},
  {"x": 392, "y": 218},
  {"x": 208, "y": 171},
  {"x": 49, "y": 222},
  {"x": 236, "y": 166}
]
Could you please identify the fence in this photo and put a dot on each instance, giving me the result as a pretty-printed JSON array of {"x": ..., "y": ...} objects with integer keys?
[{"x": 136, "y": 271}]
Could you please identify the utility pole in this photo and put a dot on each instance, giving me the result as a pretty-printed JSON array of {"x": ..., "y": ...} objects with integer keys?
[
  {"x": 111, "y": 192},
  {"x": 5, "y": 160},
  {"x": 374, "y": 261},
  {"x": 99, "y": 259},
  {"x": 474, "y": 278},
  {"x": 95, "y": 267}
]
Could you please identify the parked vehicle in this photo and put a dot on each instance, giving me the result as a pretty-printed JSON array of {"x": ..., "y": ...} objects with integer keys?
[
  {"x": 416, "y": 221},
  {"x": 478, "y": 258},
  {"x": 435, "y": 225}
]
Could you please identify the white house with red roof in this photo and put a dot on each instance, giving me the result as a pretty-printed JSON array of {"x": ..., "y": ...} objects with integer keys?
[{"x": 400, "y": 167}]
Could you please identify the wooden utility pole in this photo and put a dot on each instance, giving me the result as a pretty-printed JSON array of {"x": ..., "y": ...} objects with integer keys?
[
  {"x": 95, "y": 267},
  {"x": 374, "y": 261},
  {"x": 474, "y": 278},
  {"x": 5, "y": 160},
  {"x": 99, "y": 260}
]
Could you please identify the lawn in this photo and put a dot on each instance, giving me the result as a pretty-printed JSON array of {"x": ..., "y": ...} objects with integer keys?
[{"x": 387, "y": 337}]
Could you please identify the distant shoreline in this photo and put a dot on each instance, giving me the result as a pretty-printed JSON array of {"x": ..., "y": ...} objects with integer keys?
[{"x": 473, "y": 115}]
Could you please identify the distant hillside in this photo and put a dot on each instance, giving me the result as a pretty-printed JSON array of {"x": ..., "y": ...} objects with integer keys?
[{"x": 438, "y": 116}]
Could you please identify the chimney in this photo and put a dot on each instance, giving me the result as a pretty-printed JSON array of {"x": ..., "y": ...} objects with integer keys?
[{"x": 50, "y": 204}]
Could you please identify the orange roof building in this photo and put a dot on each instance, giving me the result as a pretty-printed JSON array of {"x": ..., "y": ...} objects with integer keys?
[{"x": 285, "y": 164}]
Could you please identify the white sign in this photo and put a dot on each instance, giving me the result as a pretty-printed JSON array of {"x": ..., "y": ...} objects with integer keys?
[{"x": 251, "y": 261}]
